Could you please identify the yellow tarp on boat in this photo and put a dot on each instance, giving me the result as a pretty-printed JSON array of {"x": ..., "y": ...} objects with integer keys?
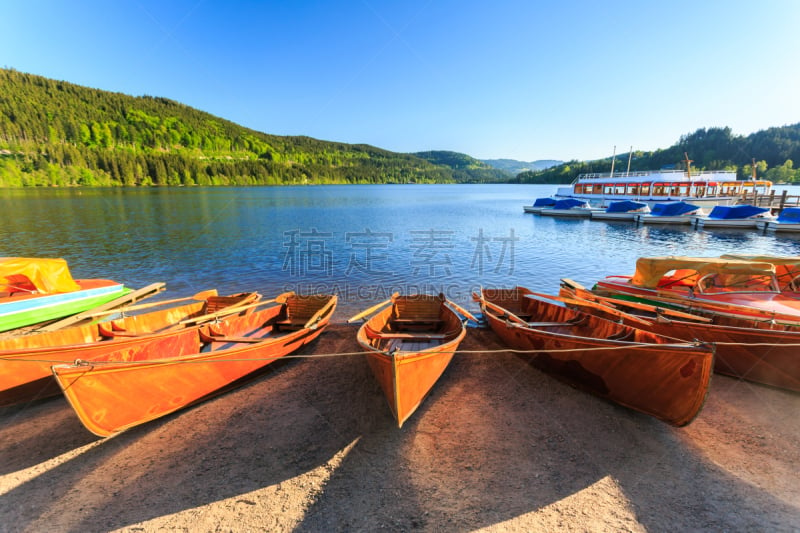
[
  {"x": 688, "y": 270},
  {"x": 26, "y": 274},
  {"x": 787, "y": 268}
]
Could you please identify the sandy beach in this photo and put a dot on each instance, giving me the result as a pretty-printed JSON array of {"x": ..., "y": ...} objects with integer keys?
[{"x": 310, "y": 445}]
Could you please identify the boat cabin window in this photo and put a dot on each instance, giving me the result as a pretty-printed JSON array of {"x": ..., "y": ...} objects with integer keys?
[
  {"x": 731, "y": 189},
  {"x": 644, "y": 190},
  {"x": 659, "y": 189},
  {"x": 608, "y": 189},
  {"x": 632, "y": 188},
  {"x": 619, "y": 189}
]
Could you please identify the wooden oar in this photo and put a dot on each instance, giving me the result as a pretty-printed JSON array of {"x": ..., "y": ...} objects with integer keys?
[
  {"x": 202, "y": 295},
  {"x": 372, "y": 309},
  {"x": 281, "y": 298},
  {"x": 654, "y": 309},
  {"x": 108, "y": 307},
  {"x": 461, "y": 310},
  {"x": 598, "y": 305},
  {"x": 500, "y": 310},
  {"x": 312, "y": 322},
  {"x": 579, "y": 291}
]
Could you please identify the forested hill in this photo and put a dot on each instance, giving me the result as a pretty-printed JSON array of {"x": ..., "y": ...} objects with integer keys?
[
  {"x": 774, "y": 150},
  {"x": 466, "y": 168},
  {"x": 54, "y": 133}
]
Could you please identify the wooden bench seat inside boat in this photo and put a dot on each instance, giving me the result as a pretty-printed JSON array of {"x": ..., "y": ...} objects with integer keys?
[
  {"x": 413, "y": 335},
  {"x": 298, "y": 311},
  {"x": 415, "y": 345},
  {"x": 291, "y": 324}
]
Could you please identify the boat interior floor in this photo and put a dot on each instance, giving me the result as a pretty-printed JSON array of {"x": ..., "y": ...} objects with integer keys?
[{"x": 412, "y": 345}]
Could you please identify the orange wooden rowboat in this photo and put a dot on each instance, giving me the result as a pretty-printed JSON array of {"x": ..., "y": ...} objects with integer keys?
[
  {"x": 626, "y": 365},
  {"x": 409, "y": 345},
  {"x": 25, "y": 360},
  {"x": 766, "y": 353},
  {"x": 130, "y": 387}
]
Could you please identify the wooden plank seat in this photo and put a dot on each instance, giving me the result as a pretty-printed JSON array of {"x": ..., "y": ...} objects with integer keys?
[
  {"x": 412, "y": 335},
  {"x": 213, "y": 336},
  {"x": 291, "y": 324},
  {"x": 416, "y": 324},
  {"x": 411, "y": 345}
]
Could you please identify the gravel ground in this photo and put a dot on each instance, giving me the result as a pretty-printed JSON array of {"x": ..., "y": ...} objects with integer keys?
[{"x": 310, "y": 445}]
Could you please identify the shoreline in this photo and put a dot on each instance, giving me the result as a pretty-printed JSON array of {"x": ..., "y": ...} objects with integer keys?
[{"x": 310, "y": 445}]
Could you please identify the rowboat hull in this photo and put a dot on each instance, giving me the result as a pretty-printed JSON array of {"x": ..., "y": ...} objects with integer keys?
[
  {"x": 26, "y": 360},
  {"x": 775, "y": 305},
  {"x": 406, "y": 362},
  {"x": 756, "y": 351},
  {"x": 155, "y": 379},
  {"x": 23, "y": 310},
  {"x": 758, "y": 355},
  {"x": 644, "y": 372}
]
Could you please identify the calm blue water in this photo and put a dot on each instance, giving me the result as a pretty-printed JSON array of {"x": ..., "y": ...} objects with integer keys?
[{"x": 363, "y": 242}]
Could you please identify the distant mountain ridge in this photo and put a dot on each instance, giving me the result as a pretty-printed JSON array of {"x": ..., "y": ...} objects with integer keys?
[
  {"x": 466, "y": 168},
  {"x": 515, "y": 167}
]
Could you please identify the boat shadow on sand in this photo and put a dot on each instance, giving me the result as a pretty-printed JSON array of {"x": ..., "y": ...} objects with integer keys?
[{"x": 312, "y": 443}]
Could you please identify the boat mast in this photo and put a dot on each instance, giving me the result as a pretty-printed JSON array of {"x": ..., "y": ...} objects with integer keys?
[
  {"x": 613, "y": 159},
  {"x": 630, "y": 154},
  {"x": 688, "y": 165}
]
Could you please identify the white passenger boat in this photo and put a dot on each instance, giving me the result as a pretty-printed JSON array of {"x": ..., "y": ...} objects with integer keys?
[
  {"x": 734, "y": 216},
  {"x": 671, "y": 213},
  {"x": 705, "y": 189}
]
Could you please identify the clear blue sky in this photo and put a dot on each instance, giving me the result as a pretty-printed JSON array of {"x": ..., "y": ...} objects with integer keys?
[{"x": 519, "y": 79}]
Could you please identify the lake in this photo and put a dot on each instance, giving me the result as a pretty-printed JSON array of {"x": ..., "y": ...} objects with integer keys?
[{"x": 361, "y": 241}]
